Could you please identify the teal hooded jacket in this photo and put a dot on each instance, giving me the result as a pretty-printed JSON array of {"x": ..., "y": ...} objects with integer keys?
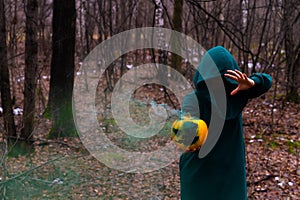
[{"x": 221, "y": 173}]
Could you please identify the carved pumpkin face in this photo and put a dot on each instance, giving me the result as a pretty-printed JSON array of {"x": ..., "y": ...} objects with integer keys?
[{"x": 189, "y": 133}]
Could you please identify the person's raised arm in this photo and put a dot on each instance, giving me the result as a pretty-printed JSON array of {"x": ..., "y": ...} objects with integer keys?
[{"x": 256, "y": 84}]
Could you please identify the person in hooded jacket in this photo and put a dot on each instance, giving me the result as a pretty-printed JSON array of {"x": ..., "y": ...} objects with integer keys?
[{"x": 220, "y": 173}]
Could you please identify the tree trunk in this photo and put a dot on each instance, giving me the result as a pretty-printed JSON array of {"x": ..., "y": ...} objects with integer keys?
[
  {"x": 31, "y": 64},
  {"x": 177, "y": 26},
  {"x": 9, "y": 123},
  {"x": 158, "y": 21},
  {"x": 87, "y": 27},
  {"x": 292, "y": 50},
  {"x": 62, "y": 69}
]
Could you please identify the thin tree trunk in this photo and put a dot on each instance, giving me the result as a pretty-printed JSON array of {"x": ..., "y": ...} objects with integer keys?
[
  {"x": 292, "y": 53},
  {"x": 9, "y": 123},
  {"x": 87, "y": 26},
  {"x": 31, "y": 64},
  {"x": 177, "y": 26}
]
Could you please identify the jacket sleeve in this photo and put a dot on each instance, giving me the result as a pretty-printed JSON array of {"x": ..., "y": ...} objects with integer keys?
[
  {"x": 263, "y": 83},
  {"x": 190, "y": 105}
]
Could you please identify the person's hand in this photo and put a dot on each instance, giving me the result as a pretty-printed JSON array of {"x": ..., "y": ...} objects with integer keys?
[{"x": 244, "y": 83}]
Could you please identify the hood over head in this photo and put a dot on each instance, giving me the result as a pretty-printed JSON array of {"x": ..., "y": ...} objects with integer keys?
[{"x": 214, "y": 64}]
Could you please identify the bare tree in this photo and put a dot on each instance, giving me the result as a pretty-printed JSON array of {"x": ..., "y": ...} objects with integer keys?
[
  {"x": 44, "y": 39},
  {"x": 31, "y": 64},
  {"x": 177, "y": 26},
  {"x": 6, "y": 100},
  {"x": 62, "y": 68},
  {"x": 292, "y": 49}
]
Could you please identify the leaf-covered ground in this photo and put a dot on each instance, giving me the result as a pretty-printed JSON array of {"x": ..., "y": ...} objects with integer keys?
[{"x": 64, "y": 169}]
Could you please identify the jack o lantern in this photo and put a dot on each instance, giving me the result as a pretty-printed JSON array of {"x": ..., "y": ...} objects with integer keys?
[{"x": 189, "y": 132}]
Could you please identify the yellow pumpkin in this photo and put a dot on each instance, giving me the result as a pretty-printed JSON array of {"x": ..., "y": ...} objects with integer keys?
[{"x": 189, "y": 133}]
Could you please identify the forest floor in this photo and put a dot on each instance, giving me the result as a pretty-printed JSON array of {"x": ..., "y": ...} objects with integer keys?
[{"x": 64, "y": 169}]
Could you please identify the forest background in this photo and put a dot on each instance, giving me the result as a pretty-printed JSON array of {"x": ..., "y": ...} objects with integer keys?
[{"x": 44, "y": 43}]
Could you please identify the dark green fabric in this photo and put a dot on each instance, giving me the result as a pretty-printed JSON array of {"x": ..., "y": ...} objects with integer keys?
[{"x": 221, "y": 175}]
